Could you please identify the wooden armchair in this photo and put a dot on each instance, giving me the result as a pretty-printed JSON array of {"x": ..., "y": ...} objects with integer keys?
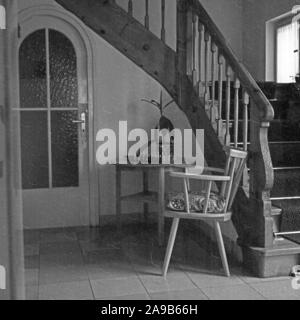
[{"x": 230, "y": 180}]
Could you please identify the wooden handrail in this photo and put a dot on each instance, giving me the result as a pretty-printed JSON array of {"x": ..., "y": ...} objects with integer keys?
[{"x": 249, "y": 84}]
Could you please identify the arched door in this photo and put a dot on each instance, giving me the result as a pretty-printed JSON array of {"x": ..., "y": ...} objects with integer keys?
[{"x": 54, "y": 130}]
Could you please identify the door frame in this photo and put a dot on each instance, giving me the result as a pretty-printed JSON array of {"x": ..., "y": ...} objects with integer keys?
[{"x": 66, "y": 21}]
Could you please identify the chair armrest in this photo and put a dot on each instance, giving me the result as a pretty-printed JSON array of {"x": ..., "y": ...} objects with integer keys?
[
  {"x": 212, "y": 169},
  {"x": 202, "y": 177}
]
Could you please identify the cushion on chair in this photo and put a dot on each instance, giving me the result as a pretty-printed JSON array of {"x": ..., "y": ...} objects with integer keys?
[{"x": 216, "y": 203}]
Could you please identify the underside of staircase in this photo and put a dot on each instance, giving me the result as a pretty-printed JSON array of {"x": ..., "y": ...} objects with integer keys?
[{"x": 254, "y": 217}]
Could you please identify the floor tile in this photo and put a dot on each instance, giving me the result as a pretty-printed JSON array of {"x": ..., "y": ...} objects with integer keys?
[
  {"x": 194, "y": 294},
  {"x": 57, "y": 236},
  {"x": 31, "y": 292},
  {"x": 110, "y": 270},
  {"x": 134, "y": 297},
  {"x": 110, "y": 288},
  {"x": 247, "y": 277},
  {"x": 89, "y": 234},
  {"x": 207, "y": 280},
  {"x": 238, "y": 292},
  {"x": 32, "y": 262},
  {"x": 84, "y": 263},
  {"x": 175, "y": 281},
  {"x": 31, "y": 249},
  {"x": 80, "y": 290},
  {"x": 95, "y": 245},
  {"x": 31, "y": 237},
  {"x": 53, "y": 260},
  {"x": 60, "y": 247},
  {"x": 252, "y": 279},
  {"x": 108, "y": 256},
  {"x": 149, "y": 268},
  {"x": 277, "y": 290},
  {"x": 62, "y": 274},
  {"x": 32, "y": 277}
]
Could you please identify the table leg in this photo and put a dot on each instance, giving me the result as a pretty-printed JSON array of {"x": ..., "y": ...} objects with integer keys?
[
  {"x": 161, "y": 205},
  {"x": 118, "y": 198},
  {"x": 145, "y": 190}
]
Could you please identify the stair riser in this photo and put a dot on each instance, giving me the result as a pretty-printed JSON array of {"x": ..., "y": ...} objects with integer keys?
[
  {"x": 286, "y": 183},
  {"x": 285, "y": 155},
  {"x": 284, "y": 131}
]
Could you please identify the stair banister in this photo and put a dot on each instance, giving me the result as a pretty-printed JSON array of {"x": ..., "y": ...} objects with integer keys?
[
  {"x": 241, "y": 72},
  {"x": 236, "y": 107}
]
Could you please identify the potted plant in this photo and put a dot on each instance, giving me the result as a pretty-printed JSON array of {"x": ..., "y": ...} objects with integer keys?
[{"x": 163, "y": 124}]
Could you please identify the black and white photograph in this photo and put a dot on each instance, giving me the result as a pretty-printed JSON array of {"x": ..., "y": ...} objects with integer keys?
[{"x": 149, "y": 151}]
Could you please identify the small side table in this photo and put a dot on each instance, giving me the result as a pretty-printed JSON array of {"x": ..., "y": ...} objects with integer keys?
[{"x": 145, "y": 196}]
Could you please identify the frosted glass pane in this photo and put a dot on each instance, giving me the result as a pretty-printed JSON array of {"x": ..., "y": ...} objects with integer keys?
[
  {"x": 63, "y": 71},
  {"x": 34, "y": 149},
  {"x": 64, "y": 136},
  {"x": 32, "y": 64}
]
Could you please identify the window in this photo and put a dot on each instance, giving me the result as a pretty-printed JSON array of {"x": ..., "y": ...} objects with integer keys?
[
  {"x": 287, "y": 51},
  {"x": 49, "y": 103},
  {"x": 2, "y": 18}
]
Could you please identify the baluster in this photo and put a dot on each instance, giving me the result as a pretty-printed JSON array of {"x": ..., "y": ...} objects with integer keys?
[
  {"x": 194, "y": 72},
  {"x": 182, "y": 47},
  {"x": 237, "y": 86},
  {"x": 213, "y": 88},
  {"x": 163, "y": 31},
  {"x": 200, "y": 46},
  {"x": 228, "y": 101},
  {"x": 246, "y": 101},
  {"x": 206, "y": 67},
  {"x": 130, "y": 7},
  {"x": 220, "y": 96},
  {"x": 147, "y": 14}
]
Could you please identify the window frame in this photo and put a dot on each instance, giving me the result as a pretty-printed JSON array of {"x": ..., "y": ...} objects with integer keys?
[{"x": 279, "y": 24}]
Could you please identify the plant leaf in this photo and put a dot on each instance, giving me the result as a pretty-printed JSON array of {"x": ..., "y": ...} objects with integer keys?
[
  {"x": 153, "y": 102},
  {"x": 168, "y": 104}
]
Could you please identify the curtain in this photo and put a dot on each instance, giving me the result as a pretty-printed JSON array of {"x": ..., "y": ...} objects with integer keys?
[{"x": 287, "y": 58}]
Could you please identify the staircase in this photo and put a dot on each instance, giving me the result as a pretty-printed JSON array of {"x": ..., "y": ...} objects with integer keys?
[
  {"x": 217, "y": 94},
  {"x": 284, "y": 136}
]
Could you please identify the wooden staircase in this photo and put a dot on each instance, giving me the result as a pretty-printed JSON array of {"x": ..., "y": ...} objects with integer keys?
[
  {"x": 284, "y": 144},
  {"x": 199, "y": 77}
]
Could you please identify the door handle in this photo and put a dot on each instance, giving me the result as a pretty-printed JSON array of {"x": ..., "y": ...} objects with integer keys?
[
  {"x": 81, "y": 121},
  {"x": 78, "y": 121}
]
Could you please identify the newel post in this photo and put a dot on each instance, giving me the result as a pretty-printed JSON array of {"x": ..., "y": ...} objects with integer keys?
[{"x": 261, "y": 178}]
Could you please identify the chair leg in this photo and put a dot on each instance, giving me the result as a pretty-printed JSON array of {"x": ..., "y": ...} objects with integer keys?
[
  {"x": 222, "y": 248},
  {"x": 170, "y": 246}
]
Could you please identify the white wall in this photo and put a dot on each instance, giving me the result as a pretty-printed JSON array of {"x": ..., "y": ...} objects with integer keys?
[{"x": 227, "y": 14}]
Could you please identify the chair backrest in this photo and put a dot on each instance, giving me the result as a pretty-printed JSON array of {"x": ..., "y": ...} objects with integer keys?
[{"x": 235, "y": 165}]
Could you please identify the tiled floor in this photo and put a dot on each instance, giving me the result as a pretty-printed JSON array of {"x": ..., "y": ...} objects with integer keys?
[{"x": 84, "y": 263}]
